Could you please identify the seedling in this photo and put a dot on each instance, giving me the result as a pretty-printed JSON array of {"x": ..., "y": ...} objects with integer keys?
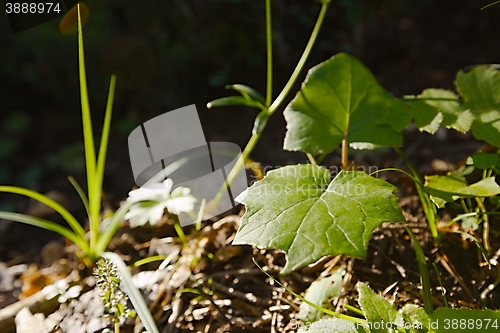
[{"x": 302, "y": 211}]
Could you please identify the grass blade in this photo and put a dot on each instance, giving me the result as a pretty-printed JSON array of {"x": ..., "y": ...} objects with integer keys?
[
  {"x": 424, "y": 272},
  {"x": 101, "y": 161},
  {"x": 133, "y": 293},
  {"x": 106, "y": 236},
  {"x": 80, "y": 192},
  {"x": 68, "y": 217},
  {"x": 319, "y": 308},
  {"x": 88, "y": 137},
  {"x": 47, "y": 225}
]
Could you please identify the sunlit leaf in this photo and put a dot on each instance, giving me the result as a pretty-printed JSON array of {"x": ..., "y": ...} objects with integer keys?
[
  {"x": 378, "y": 311},
  {"x": 339, "y": 99},
  {"x": 480, "y": 89},
  {"x": 247, "y": 92},
  {"x": 301, "y": 211},
  {"x": 435, "y": 107},
  {"x": 452, "y": 187}
]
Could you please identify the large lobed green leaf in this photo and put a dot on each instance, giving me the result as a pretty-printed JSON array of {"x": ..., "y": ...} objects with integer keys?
[
  {"x": 342, "y": 99},
  {"x": 480, "y": 89},
  {"x": 301, "y": 211}
]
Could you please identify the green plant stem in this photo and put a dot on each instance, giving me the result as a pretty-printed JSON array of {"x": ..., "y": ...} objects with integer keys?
[
  {"x": 443, "y": 292},
  {"x": 311, "y": 159},
  {"x": 424, "y": 272},
  {"x": 464, "y": 206},
  {"x": 117, "y": 327},
  {"x": 317, "y": 307},
  {"x": 345, "y": 154},
  {"x": 489, "y": 5},
  {"x": 443, "y": 99},
  {"x": 149, "y": 260},
  {"x": 277, "y": 103},
  {"x": 269, "y": 42},
  {"x": 427, "y": 205},
  {"x": 486, "y": 225},
  {"x": 354, "y": 310},
  {"x": 81, "y": 194},
  {"x": 178, "y": 229},
  {"x": 298, "y": 69}
]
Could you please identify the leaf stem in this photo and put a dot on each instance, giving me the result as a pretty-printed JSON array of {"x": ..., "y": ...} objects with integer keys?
[
  {"x": 410, "y": 98},
  {"x": 486, "y": 225},
  {"x": 311, "y": 159},
  {"x": 345, "y": 154},
  {"x": 277, "y": 103},
  {"x": 269, "y": 40},
  {"x": 300, "y": 65}
]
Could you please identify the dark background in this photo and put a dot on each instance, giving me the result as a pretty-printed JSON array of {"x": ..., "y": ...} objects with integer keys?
[{"x": 179, "y": 52}]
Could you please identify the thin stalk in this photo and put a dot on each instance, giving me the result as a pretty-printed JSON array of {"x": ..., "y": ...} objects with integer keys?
[
  {"x": 277, "y": 102},
  {"x": 300, "y": 65},
  {"x": 464, "y": 206},
  {"x": 424, "y": 272},
  {"x": 269, "y": 41},
  {"x": 406, "y": 98},
  {"x": 443, "y": 292},
  {"x": 311, "y": 159},
  {"x": 80, "y": 192},
  {"x": 345, "y": 154},
  {"x": 354, "y": 310},
  {"x": 178, "y": 229},
  {"x": 317, "y": 307},
  {"x": 486, "y": 225},
  {"x": 427, "y": 205}
]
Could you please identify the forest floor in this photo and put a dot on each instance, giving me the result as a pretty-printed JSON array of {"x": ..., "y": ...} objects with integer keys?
[{"x": 213, "y": 286}]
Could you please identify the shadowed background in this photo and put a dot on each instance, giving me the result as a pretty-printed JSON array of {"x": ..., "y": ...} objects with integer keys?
[{"x": 169, "y": 54}]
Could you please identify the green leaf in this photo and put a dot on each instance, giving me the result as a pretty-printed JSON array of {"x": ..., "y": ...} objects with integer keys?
[
  {"x": 438, "y": 106},
  {"x": 68, "y": 217},
  {"x": 233, "y": 100},
  {"x": 260, "y": 122},
  {"x": 452, "y": 187},
  {"x": 464, "y": 320},
  {"x": 299, "y": 210},
  {"x": 379, "y": 313},
  {"x": 340, "y": 99},
  {"x": 416, "y": 317},
  {"x": 481, "y": 91},
  {"x": 484, "y": 161},
  {"x": 247, "y": 92},
  {"x": 47, "y": 225},
  {"x": 332, "y": 325},
  {"x": 101, "y": 160},
  {"x": 318, "y": 293}
]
